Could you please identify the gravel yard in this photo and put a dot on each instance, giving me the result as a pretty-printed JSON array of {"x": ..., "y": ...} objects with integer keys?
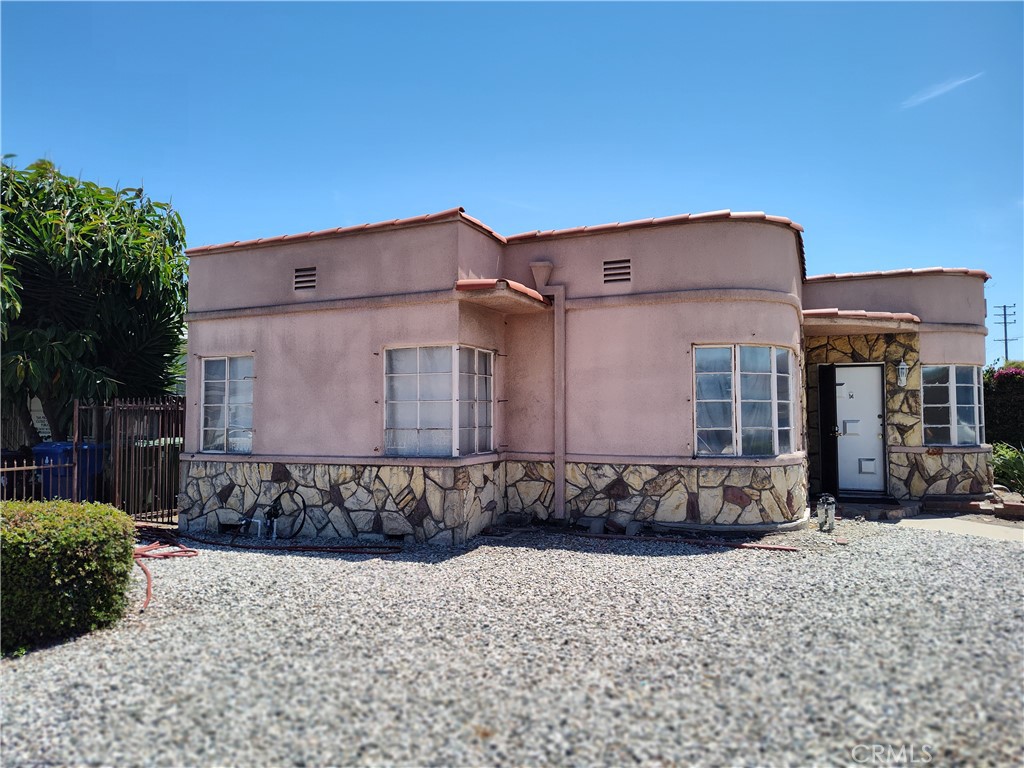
[{"x": 546, "y": 649}]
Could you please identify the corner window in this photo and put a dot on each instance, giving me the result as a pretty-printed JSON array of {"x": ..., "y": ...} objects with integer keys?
[
  {"x": 227, "y": 404},
  {"x": 744, "y": 403},
  {"x": 953, "y": 408},
  {"x": 422, "y": 417}
]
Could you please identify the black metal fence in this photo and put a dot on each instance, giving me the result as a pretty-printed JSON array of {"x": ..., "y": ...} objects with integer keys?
[{"x": 125, "y": 453}]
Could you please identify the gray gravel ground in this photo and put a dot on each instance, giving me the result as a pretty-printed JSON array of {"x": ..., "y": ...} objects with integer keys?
[{"x": 548, "y": 650}]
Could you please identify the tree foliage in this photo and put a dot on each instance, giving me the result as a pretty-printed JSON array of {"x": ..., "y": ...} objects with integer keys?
[{"x": 93, "y": 291}]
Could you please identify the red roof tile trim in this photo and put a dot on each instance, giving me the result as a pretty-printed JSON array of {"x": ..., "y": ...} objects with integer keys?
[
  {"x": 451, "y": 213},
  {"x": 860, "y": 314},
  {"x": 485, "y": 284},
  {"x": 709, "y": 216},
  {"x": 904, "y": 273}
]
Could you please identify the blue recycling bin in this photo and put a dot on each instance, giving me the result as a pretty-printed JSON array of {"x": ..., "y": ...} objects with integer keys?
[{"x": 57, "y": 481}]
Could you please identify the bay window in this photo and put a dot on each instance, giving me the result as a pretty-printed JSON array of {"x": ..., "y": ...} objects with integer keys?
[
  {"x": 744, "y": 400},
  {"x": 953, "y": 408},
  {"x": 227, "y": 404},
  {"x": 438, "y": 401}
]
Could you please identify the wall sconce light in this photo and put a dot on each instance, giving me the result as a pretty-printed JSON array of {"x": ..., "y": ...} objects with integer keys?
[{"x": 901, "y": 373}]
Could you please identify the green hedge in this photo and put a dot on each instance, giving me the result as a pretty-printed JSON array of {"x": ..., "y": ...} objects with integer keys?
[
  {"x": 65, "y": 569},
  {"x": 1004, "y": 406}
]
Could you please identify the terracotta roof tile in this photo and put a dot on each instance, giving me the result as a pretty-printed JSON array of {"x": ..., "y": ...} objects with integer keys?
[
  {"x": 481, "y": 284},
  {"x": 860, "y": 314},
  {"x": 903, "y": 273}
]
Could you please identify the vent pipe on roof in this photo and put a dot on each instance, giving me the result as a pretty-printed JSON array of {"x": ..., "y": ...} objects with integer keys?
[{"x": 541, "y": 274}]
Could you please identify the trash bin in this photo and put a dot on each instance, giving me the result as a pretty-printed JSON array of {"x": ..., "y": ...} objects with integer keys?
[{"x": 57, "y": 482}]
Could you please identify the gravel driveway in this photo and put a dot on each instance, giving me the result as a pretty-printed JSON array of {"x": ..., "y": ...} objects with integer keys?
[{"x": 546, "y": 649}]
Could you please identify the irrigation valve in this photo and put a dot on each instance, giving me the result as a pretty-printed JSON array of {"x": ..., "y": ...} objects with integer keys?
[{"x": 826, "y": 513}]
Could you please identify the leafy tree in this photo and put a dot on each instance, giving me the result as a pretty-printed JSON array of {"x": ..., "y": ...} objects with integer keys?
[{"x": 93, "y": 292}]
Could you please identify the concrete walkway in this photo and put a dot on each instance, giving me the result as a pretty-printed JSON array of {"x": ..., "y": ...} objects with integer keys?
[{"x": 974, "y": 525}]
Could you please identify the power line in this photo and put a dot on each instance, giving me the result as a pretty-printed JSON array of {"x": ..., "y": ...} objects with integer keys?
[{"x": 1004, "y": 318}]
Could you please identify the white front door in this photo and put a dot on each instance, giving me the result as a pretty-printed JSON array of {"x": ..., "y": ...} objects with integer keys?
[{"x": 860, "y": 427}]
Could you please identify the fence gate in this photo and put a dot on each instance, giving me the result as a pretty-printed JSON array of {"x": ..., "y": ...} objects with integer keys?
[{"x": 144, "y": 439}]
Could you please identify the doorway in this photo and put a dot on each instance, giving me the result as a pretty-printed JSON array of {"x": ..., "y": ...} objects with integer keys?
[{"x": 852, "y": 429}]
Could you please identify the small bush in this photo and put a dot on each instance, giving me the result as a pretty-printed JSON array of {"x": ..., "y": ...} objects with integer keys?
[
  {"x": 65, "y": 569},
  {"x": 1008, "y": 466},
  {"x": 1004, "y": 406}
]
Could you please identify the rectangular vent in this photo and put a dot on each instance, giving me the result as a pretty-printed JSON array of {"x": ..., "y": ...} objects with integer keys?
[
  {"x": 305, "y": 278},
  {"x": 617, "y": 271}
]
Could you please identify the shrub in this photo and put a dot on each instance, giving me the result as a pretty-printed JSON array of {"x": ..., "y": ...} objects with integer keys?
[
  {"x": 1008, "y": 466},
  {"x": 65, "y": 569},
  {"x": 1004, "y": 406}
]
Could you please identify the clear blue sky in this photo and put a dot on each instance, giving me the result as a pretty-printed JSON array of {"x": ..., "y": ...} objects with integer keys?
[{"x": 892, "y": 132}]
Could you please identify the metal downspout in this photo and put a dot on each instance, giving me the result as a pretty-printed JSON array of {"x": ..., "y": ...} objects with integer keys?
[{"x": 541, "y": 274}]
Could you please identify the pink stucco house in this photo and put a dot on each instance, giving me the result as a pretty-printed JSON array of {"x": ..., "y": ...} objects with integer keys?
[{"x": 425, "y": 376}]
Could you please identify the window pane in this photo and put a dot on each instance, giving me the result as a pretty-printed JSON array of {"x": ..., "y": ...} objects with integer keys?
[
  {"x": 467, "y": 441},
  {"x": 240, "y": 441},
  {"x": 936, "y": 415},
  {"x": 782, "y": 361},
  {"x": 714, "y": 442},
  {"x": 483, "y": 388},
  {"x": 483, "y": 362},
  {"x": 213, "y": 392},
  {"x": 965, "y": 395},
  {"x": 213, "y": 370},
  {"x": 936, "y": 435},
  {"x": 712, "y": 415},
  {"x": 240, "y": 416},
  {"x": 483, "y": 414},
  {"x": 435, "y": 415},
  {"x": 467, "y": 360},
  {"x": 936, "y": 395},
  {"x": 401, "y": 360},
  {"x": 401, "y": 415},
  {"x": 965, "y": 415},
  {"x": 756, "y": 386},
  {"x": 714, "y": 386},
  {"x": 785, "y": 440},
  {"x": 401, "y": 388},
  {"x": 213, "y": 440},
  {"x": 784, "y": 416},
  {"x": 213, "y": 417},
  {"x": 935, "y": 374},
  {"x": 756, "y": 415},
  {"x": 782, "y": 387},
  {"x": 713, "y": 359},
  {"x": 467, "y": 414},
  {"x": 966, "y": 435},
  {"x": 757, "y": 442},
  {"x": 436, "y": 386},
  {"x": 965, "y": 374},
  {"x": 435, "y": 442},
  {"x": 435, "y": 359},
  {"x": 467, "y": 388},
  {"x": 483, "y": 437},
  {"x": 241, "y": 367},
  {"x": 240, "y": 391},
  {"x": 401, "y": 441},
  {"x": 756, "y": 359}
]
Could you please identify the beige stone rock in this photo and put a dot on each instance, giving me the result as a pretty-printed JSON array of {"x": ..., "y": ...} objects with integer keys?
[
  {"x": 636, "y": 475},
  {"x": 711, "y": 477},
  {"x": 357, "y": 497},
  {"x": 367, "y": 476},
  {"x": 303, "y": 474},
  {"x": 514, "y": 503},
  {"x": 219, "y": 481},
  {"x": 312, "y": 496},
  {"x": 322, "y": 477},
  {"x": 205, "y": 488},
  {"x": 514, "y": 471},
  {"x": 476, "y": 476},
  {"x": 899, "y": 471},
  {"x": 599, "y": 507},
  {"x": 860, "y": 347},
  {"x": 530, "y": 491},
  {"x": 710, "y": 504},
  {"x": 395, "y": 479},
  {"x": 661, "y": 484},
  {"x": 454, "y": 508},
  {"x": 363, "y": 519},
  {"x": 600, "y": 476},
  {"x": 917, "y": 486},
  {"x": 898, "y": 459},
  {"x": 671, "y": 508},
  {"x": 416, "y": 482},
  {"x": 760, "y": 478},
  {"x": 571, "y": 491},
  {"x": 340, "y": 524},
  {"x": 740, "y": 477},
  {"x": 842, "y": 344},
  {"x": 546, "y": 470},
  {"x": 395, "y": 524},
  {"x": 630, "y": 504},
  {"x": 197, "y": 469},
  {"x": 729, "y": 515},
  {"x": 646, "y": 510},
  {"x": 750, "y": 516},
  {"x": 771, "y": 506}
]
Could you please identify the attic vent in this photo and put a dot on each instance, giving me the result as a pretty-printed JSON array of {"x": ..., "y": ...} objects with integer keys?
[
  {"x": 617, "y": 271},
  {"x": 305, "y": 278}
]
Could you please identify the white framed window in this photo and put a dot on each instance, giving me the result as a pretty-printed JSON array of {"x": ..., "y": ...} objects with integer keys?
[
  {"x": 438, "y": 401},
  {"x": 953, "y": 405},
  {"x": 743, "y": 400},
  {"x": 227, "y": 404}
]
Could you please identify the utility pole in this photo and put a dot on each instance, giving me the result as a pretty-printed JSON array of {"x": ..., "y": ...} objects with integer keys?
[{"x": 1004, "y": 317}]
